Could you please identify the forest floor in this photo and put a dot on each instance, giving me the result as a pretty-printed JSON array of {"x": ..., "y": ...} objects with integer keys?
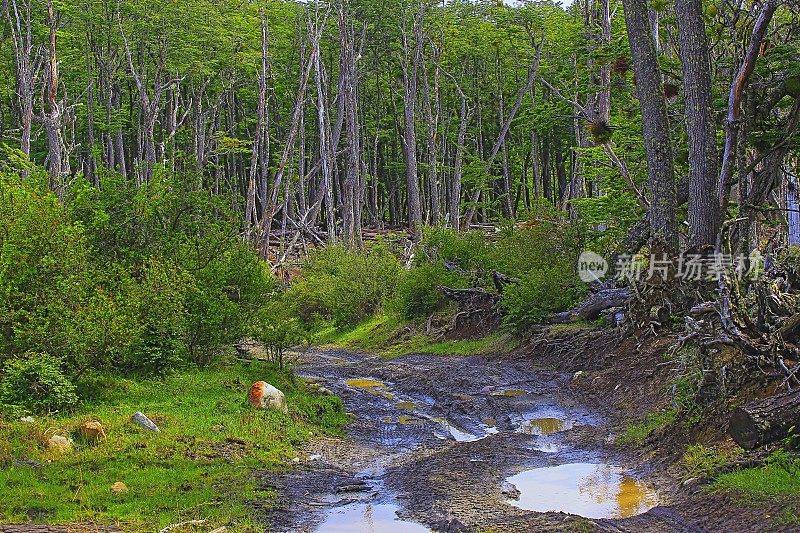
[{"x": 444, "y": 442}]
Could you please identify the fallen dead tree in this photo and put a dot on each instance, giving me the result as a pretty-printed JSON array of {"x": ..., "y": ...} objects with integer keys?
[
  {"x": 765, "y": 421},
  {"x": 595, "y": 305},
  {"x": 749, "y": 338}
]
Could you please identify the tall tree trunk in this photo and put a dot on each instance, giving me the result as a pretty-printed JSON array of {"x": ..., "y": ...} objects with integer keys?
[
  {"x": 412, "y": 57},
  {"x": 656, "y": 126},
  {"x": 704, "y": 215}
]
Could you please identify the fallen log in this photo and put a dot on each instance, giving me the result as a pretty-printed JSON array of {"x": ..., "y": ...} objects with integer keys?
[
  {"x": 765, "y": 421},
  {"x": 594, "y": 305}
]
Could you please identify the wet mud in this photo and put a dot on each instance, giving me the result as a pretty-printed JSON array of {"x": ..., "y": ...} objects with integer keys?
[{"x": 463, "y": 444}]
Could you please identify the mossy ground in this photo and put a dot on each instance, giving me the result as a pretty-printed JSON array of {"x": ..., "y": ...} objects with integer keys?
[
  {"x": 391, "y": 336},
  {"x": 200, "y": 466}
]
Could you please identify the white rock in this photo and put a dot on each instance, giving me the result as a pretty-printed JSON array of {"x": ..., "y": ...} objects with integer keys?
[
  {"x": 59, "y": 443},
  {"x": 27, "y": 419},
  {"x": 262, "y": 395},
  {"x": 141, "y": 420}
]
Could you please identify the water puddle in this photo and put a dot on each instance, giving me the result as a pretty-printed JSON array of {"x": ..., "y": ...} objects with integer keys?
[
  {"x": 372, "y": 386},
  {"x": 510, "y": 393},
  {"x": 367, "y": 518},
  {"x": 545, "y": 426},
  {"x": 584, "y": 489}
]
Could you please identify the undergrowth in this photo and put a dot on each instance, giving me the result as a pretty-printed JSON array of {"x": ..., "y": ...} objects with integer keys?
[{"x": 201, "y": 465}]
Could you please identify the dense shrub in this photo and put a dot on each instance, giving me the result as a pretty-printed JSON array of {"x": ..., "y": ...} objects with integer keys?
[
  {"x": 541, "y": 254},
  {"x": 36, "y": 382},
  {"x": 419, "y": 291},
  {"x": 343, "y": 285},
  {"x": 121, "y": 277},
  {"x": 469, "y": 251}
]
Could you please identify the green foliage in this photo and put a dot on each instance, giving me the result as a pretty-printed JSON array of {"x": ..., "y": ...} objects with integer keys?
[
  {"x": 419, "y": 291},
  {"x": 343, "y": 285},
  {"x": 278, "y": 327},
  {"x": 778, "y": 478},
  {"x": 121, "y": 277},
  {"x": 468, "y": 251},
  {"x": 541, "y": 254},
  {"x": 637, "y": 433},
  {"x": 36, "y": 382}
]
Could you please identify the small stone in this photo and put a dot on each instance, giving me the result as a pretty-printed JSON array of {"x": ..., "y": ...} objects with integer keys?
[
  {"x": 141, "y": 420},
  {"x": 579, "y": 374},
  {"x": 296, "y": 460},
  {"x": 262, "y": 395},
  {"x": 27, "y": 419},
  {"x": 59, "y": 444},
  {"x": 92, "y": 431},
  {"x": 509, "y": 489},
  {"x": 691, "y": 482},
  {"x": 119, "y": 488},
  {"x": 24, "y": 461},
  {"x": 315, "y": 457}
]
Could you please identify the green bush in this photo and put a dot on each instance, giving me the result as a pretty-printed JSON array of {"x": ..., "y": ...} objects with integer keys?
[
  {"x": 123, "y": 278},
  {"x": 343, "y": 285},
  {"x": 537, "y": 295},
  {"x": 418, "y": 293},
  {"x": 35, "y": 381},
  {"x": 541, "y": 255},
  {"x": 469, "y": 250}
]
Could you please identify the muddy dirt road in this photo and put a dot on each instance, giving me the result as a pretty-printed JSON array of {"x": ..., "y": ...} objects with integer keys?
[{"x": 463, "y": 444}]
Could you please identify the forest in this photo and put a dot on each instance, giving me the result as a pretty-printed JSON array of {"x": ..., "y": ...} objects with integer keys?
[{"x": 540, "y": 257}]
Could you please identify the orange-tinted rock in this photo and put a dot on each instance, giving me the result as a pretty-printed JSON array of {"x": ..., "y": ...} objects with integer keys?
[
  {"x": 262, "y": 395},
  {"x": 92, "y": 431}
]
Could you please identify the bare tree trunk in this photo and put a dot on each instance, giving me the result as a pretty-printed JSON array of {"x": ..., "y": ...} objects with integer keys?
[
  {"x": 704, "y": 215},
  {"x": 27, "y": 61},
  {"x": 656, "y": 126},
  {"x": 52, "y": 119},
  {"x": 735, "y": 98},
  {"x": 251, "y": 214},
  {"x": 410, "y": 66}
]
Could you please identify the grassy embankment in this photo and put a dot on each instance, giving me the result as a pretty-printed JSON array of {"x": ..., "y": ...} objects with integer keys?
[
  {"x": 200, "y": 466},
  {"x": 392, "y": 336}
]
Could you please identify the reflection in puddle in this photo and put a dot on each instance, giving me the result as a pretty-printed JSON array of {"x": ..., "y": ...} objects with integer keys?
[
  {"x": 584, "y": 489},
  {"x": 370, "y": 385},
  {"x": 510, "y": 392},
  {"x": 545, "y": 426},
  {"x": 367, "y": 518},
  {"x": 456, "y": 433}
]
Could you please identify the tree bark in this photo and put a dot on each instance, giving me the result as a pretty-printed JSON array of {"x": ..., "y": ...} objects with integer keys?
[
  {"x": 658, "y": 146},
  {"x": 765, "y": 421},
  {"x": 704, "y": 215}
]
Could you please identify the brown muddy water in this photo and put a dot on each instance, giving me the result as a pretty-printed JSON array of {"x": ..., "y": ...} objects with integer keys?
[{"x": 454, "y": 444}]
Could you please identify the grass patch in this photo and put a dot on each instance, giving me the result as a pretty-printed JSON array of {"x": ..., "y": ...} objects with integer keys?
[
  {"x": 701, "y": 461},
  {"x": 424, "y": 344},
  {"x": 637, "y": 433},
  {"x": 392, "y": 336},
  {"x": 199, "y": 467},
  {"x": 779, "y": 478}
]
